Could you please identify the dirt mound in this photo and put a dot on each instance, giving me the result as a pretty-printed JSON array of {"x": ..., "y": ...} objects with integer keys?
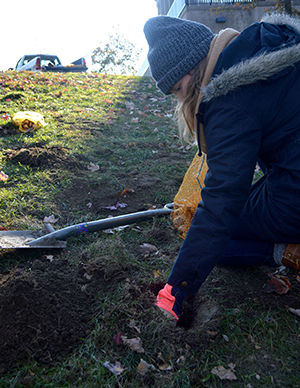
[
  {"x": 45, "y": 310},
  {"x": 7, "y": 129},
  {"x": 37, "y": 156}
]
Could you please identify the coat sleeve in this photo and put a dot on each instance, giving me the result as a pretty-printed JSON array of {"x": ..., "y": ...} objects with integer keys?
[{"x": 233, "y": 138}]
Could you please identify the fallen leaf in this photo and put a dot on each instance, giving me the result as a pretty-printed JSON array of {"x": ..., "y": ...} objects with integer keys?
[
  {"x": 51, "y": 219},
  {"x": 129, "y": 105},
  {"x": 3, "y": 176},
  {"x": 133, "y": 325},
  {"x": 108, "y": 231},
  {"x": 135, "y": 344},
  {"x": 180, "y": 360},
  {"x": 146, "y": 248},
  {"x": 212, "y": 333},
  {"x": 165, "y": 367},
  {"x": 120, "y": 228},
  {"x": 116, "y": 206},
  {"x": 87, "y": 276},
  {"x": 115, "y": 368},
  {"x": 118, "y": 338},
  {"x": 144, "y": 367},
  {"x": 294, "y": 311},
  {"x": 156, "y": 273},
  {"x": 93, "y": 167},
  {"x": 279, "y": 284},
  {"x": 125, "y": 191},
  {"x": 223, "y": 373},
  {"x": 225, "y": 337}
]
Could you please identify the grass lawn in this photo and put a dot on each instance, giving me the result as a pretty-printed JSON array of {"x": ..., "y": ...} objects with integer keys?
[{"x": 84, "y": 316}]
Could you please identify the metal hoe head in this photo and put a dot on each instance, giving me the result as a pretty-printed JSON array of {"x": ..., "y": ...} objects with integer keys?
[{"x": 15, "y": 239}]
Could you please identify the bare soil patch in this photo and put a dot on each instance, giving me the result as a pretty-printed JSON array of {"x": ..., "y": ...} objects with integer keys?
[
  {"x": 45, "y": 310},
  {"x": 39, "y": 156}
]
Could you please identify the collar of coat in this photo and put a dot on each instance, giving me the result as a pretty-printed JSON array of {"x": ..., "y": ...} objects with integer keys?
[{"x": 257, "y": 68}]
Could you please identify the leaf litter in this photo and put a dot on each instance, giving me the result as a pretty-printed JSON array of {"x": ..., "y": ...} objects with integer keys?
[{"x": 225, "y": 373}]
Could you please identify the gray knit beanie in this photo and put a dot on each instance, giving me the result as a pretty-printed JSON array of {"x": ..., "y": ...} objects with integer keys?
[{"x": 176, "y": 46}]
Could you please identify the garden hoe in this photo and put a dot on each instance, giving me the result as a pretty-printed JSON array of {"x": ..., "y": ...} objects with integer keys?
[{"x": 15, "y": 239}]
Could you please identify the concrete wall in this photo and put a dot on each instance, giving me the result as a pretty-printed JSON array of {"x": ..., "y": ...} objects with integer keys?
[{"x": 236, "y": 15}]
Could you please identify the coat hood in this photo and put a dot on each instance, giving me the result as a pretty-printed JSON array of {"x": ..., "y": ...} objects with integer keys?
[{"x": 275, "y": 49}]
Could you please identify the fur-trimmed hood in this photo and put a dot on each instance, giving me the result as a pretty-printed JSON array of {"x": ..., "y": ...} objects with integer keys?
[{"x": 257, "y": 68}]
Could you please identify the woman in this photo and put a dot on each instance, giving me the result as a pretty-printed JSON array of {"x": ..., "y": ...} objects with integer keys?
[{"x": 239, "y": 96}]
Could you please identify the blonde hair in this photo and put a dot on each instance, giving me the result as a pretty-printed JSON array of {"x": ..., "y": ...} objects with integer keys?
[{"x": 186, "y": 109}]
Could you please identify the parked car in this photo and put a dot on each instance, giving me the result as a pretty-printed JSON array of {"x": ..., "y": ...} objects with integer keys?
[{"x": 42, "y": 62}]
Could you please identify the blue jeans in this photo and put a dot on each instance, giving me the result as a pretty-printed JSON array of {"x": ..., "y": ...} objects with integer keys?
[{"x": 245, "y": 249}]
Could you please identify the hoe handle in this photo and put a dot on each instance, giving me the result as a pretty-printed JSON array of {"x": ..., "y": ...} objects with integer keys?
[{"x": 105, "y": 223}]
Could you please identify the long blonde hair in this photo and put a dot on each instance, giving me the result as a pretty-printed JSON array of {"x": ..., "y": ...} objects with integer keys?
[{"x": 186, "y": 109}]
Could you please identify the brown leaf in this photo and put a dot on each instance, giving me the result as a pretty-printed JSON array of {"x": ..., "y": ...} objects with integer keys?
[
  {"x": 135, "y": 344},
  {"x": 279, "y": 284},
  {"x": 165, "y": 367},
  {"x": 125, "y": 191},
  {"x": 163, "y": 364},
  {"x": 3, "y": 176},
  {"x": 144, "y": 367},
  {"x": 212, "y": 333},
  {"x": 223, "y": 373}
]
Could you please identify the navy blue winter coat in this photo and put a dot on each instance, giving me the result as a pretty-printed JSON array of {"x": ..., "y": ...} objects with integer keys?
[{"x": 251, "y": 113}]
